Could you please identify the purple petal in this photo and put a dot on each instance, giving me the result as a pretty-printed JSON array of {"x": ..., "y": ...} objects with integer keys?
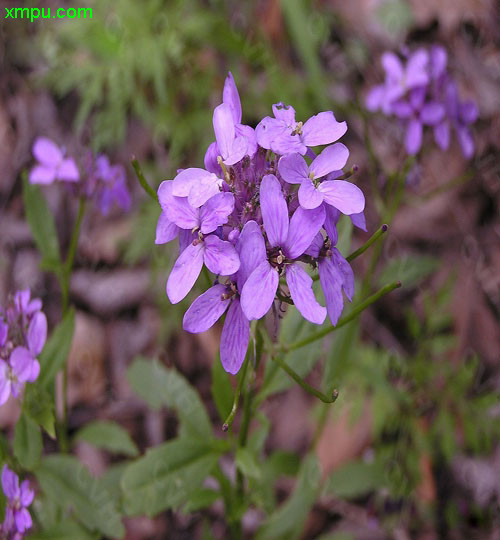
[
  {"x": 26, "y": 494},
  {"x": 413, "y": 140},
  {"x": 259, "y": 290},
  {"x": 5, "y": 385},
  {"x": 359, "y": 221},
  {"x": 267, "y": 130},
  {"x": 417, "y": 97},
  {"x": 285, "y": 113},
  {"x": 251, "y": 249},
  {"x": 438, "y": 60},
  {"x": 68, "y": 171},
  {"x": 37, "y": 333},
  {"x": 238, "y": 151},
  {"x": 309, "y": 196},
  {"x": 47, "y": 152},
  {"x": 285, "y": 143},
  {"x": 316, "y": 246},
  {"x": 375, "y": 98},
  {"x": 332, "y": 158},
  {"x": 224, "y": 129},
  {"x": 331, "y": 283},
  {"x": 392, "y": 66},
  {"x": 210, "y": 160},
  {"x": 4, "y": 330},
  {"x": 220, "y": 256},
  {"x": 234, "y": 339},
  {"x": 402, "y": 109},
  {"x": 416, "y": 69},
  {"x": 322, "y": 128},
  {"x": 345, "y": 272},
  {"x": 10, "y": 483},
  {"x": 35, "y": 371},
  {"x": 293, "y": 168},
  {"x": 41, "y": 174},
  {"x": 21, "y": 362},
  {"x": 300, "y": 285},
  {"x": 332, "y": 216},
  {"x": 196, "y": 184},
  {"x": 185, "y": 272},
  {"x": 442, "y": 135},
  {"x": 248, "y": 134},
  {"x": 206, "y": 310},
  {"x": 186, "y": 237},
  {"x": 216, "y": 211},
  {"x": 468, "y": 112},
  {"x": 177, "y": 209},
  {"x": 23, "y": 520},
  {"x": 231, "y": 97},
  {"x": 466, "y": 142},
  {"x": 165, "y": 230},
  {"x": 432, "y": 113},
  {"x": 274, "y": 210},
  {"x": 304, "y": 226},
  {"x": 345, "y": 196}
]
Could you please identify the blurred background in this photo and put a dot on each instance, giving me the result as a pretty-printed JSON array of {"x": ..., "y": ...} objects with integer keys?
[{"x": 411, "y": 446}]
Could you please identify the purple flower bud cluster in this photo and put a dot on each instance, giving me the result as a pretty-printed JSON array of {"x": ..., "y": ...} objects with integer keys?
[
  {"x": 421, "y": 92},
  {"x": 243, "y": 218},
  {"x": 105, "y": 183},
  {"x": 17, "y": 517},
  {"x": 23, "y": 332}
]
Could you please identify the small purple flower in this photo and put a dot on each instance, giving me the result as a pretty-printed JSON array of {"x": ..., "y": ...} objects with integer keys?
[
  {"x": 52, "y": 165},
  {"x": 283, "y": 135},
  {"x": 17, "y": 517},
  {"x": 344, "y": 196},
  {"x": 110, "y": 185}
]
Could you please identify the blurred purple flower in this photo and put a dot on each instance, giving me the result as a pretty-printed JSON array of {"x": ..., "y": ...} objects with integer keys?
[
  {"x": 110, "y": 185},
  {"x": 17, "y": 517},
  {"x": 52, "y": 165}
]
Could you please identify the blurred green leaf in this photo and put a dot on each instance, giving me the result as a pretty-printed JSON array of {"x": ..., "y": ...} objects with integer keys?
[
  {"x": 159, "y": 386},
  {"x": 64, "y": 530},
  {"x": 42, "y": 226},
  {"x": 166, "y": 476},
  {"x": 28, "y": 443},
  {"x": 409, "y": 269},
  {"x": 199, "y": 499},
  {"x": 65, "y": 480},
  {"x": 288, "y": 520},
  {"x": 108, "y": 435},
  {"x": 56, "y": 350},
  {"x": 222, "y": 390},
  {"x": 355, "y": 479},
  {"x": 247, "y": 463},
  {"x": 39, "y": 405}
]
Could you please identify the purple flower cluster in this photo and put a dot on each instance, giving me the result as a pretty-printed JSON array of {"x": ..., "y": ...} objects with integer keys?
[
  {"x": 421, "y": 92},
  {"x": 105, "y": 183},
  {"x": 242, "y": 217},
  {"x": 17, "y": 517},
  {"x": 23, "y": 331}
]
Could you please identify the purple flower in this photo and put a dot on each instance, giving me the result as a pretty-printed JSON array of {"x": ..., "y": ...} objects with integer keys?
[
  {"x": 283, "y": 135},
  {"x": 197, "y": 185},
  {"x": 21, "y": 368},
  {"x": 17, "y": 517},
  {"x": 110, "y": 183},
  {"x": 344, "y": 196},
  {"x": 52, "y": 165}
]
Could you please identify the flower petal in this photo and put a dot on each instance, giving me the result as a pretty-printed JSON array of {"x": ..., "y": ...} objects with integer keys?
[
  {"x": 416, "y": 69},
  {"x": 216, "y": 211},
  {"x": 23, "y": 520},
  {"x": 285, "y": 113},
  {"x": 195, "y": 183},
  {"x": 259, "y": 290},
  {"x": 234, "y": 339},
  {"x": 331, "y": 283},
  {"x": 293, "y": 168},
  {"x": 304, "y": 226},
  {"x": 165, "y": 230},
  {"x": 220, "y": 256},
  {"x": 274, "y": 210},
  {"x": 68, "y": 171},
  {"x": 21, "y": 362},
  {"x": 466, "y": 141},
  {"x": 345, "y": 196},
  {"x": 10, "y": 483},
  {"x": 442, "y": 135},
  {"x": 300, "y": 285},
  {"x": 332, "y": 216},
  {"x": 37, "y": 333},
  {"x": 47, "y": 152},
  {"x": 185, "y": 272},
  {"x": 231, "y": 97},
  {"x": 251, "y": 249},
  {"x": 432, "y": 113},
  {"x": 315, "y": 246},
  {"x": 26, "y": 494},
  {"x": 177, "y": 209},
  {"x": 267, "y": 130},
  {"x": 413, "y": 139},
  {"x": 345, "y": 271},
  {"x": 359, "y": 221},
  {"x": 224, "y": 129},
  {"x": 322, "y": 128},
  {"x": 309, "y": 196},
  {"x": 332, "y": 158},
  {"x": 206, "y": 310},
  {"x": 5, "y": 385},
  {"x": 42, "y": 174}
]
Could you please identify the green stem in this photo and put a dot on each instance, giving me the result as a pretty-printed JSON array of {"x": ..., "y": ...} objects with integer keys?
[
  {"x": 229, "y": 420},
  {"x": 299, "y": 380},
  {"x": 368, "y": 243},
  {"x": 142, "y": 180},
  {"x": 343, "y": 321}
]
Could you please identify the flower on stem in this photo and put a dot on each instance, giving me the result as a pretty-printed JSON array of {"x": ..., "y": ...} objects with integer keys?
[
  {"x": 108, "y": 184},
  {"x": 17, "y": 517},
  {"x": 52, "y": 165}
]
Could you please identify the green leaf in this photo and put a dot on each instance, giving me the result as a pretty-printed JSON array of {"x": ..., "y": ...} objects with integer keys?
[
  {"x": 65, "y": 480},
  {"x": 288, "y": 521},
  {"x": 222, "y": 391},
  {"x": 56, "y": 350},
  {"x": 199, "y": 499},
  {"x": 409, "y": 269},
  {"x": 28, "y": 443},
  {"x": 108, "y": 435},
  {"x": 355, "y": 479},
  {"x": 159, "y": 386},
  {"x": 42, "y": 225},
  {"x": 166, "y": 476},
  {"x": 39, "y": 406},
  {"x": 63, "y": 531},
  {"x": 247, "y": 463}
]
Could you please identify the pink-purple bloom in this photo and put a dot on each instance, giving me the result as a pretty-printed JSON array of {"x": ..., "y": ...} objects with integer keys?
[
  {"x": 107, "y": 184},
  {"x": 52, "y": 164},
  {"x": 259, "y": 211},
  {"x": 17, "y": 519},
  {"x": 23, "y": 332},
  {"x": 421, "y": 92}
]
